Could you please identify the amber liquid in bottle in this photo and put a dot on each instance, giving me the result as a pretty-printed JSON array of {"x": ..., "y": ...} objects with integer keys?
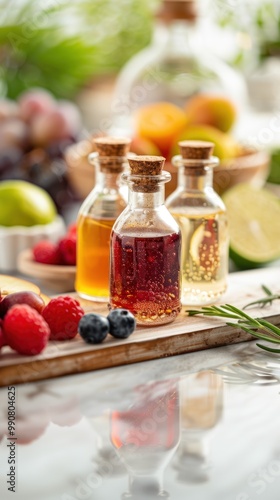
[
  {"x": 97, "y": 216},
  {"x": 93, "y": 256},
  {"x": 145, "y": 277}
]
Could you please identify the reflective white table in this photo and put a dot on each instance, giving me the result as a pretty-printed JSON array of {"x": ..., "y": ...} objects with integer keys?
[{"x": 201, "y": 426}]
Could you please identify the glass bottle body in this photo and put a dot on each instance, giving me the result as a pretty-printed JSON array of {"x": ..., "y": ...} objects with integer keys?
[
  {"x": 201, "y": 216},
  {"x": 175, "y": 67},
  {"x": 96, "y": 218},
  {"x": 145, "y": 259}
]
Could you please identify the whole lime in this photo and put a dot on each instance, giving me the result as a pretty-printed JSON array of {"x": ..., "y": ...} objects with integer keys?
[{"x": 23, "y": 204}]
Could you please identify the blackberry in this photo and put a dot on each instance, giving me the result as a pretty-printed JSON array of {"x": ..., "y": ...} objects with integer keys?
[
  {"x": 93, "y": 328},
  {"x": 122, "y": 323}
]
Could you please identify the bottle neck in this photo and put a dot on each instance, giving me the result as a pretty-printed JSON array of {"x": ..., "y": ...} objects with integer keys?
[
  {"x": 137, "y": 199},
  {"x": 146, "y": 191},
  {"x": 150, "y": 487},
  {"x": 178, "y": 34},
  {"x": 106, "y": 181},
  {"x": 189, "y": 180}
]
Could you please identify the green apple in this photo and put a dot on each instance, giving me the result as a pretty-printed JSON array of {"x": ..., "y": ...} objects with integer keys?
[{"x": 23, "y": 204}]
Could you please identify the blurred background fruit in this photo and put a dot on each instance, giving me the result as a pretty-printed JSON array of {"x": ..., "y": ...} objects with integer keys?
[
  {"x": 160, "y": 123},
  {"x": 28, "y": 214},
  {"x": 216, "y": 111},
  {"x": 34, "y": 133},
  {"x": 225, "y": 146},
  {"x": 23, "y": 204}
]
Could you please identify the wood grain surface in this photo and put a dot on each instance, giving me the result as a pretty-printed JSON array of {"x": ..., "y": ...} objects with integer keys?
[{"x": 184, "y": 335}]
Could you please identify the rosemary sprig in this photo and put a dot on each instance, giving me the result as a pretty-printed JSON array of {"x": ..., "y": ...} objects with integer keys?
[
  {"x": 257, "y": 327},
  {"x": 267, "y": 300}
]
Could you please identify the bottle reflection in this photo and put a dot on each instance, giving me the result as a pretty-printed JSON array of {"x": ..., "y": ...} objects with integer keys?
[
  {"x": 145, "y": 436},
  {"x": 107, "y": 462},
  {"x": 201, "y": 397}
]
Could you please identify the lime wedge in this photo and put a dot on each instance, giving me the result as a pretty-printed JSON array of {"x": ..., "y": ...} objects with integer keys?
[
  {"x": 204, "y": 246},
  {"x": 254, "y": 225},
  {"x": 196, "y": 243}
]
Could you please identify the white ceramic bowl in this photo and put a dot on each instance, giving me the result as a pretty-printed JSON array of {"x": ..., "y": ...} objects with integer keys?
[{"x": 15, "y": 239}]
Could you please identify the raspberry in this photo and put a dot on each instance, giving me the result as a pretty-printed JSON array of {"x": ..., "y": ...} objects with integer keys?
[
  {"x": 67, "y": 248},
  {"x": 72, "y": 229},
  {"x": 25, "y": 330},
  {"x": 2, "y": 339},
  {"x": 63, "y": 315},
  {"x": 46, "y": 252}
]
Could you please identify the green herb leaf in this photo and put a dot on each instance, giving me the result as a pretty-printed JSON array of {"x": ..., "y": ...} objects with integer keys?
[
  {"x": 257, "y": 327},
  {"x": 265, "y": 300}
]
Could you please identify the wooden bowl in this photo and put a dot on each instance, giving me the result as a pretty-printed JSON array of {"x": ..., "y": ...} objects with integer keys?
[
  {"x": 80, "y": 173},
  {"x": 57, "y": 278},
  {"x": 252, "y": 167}
]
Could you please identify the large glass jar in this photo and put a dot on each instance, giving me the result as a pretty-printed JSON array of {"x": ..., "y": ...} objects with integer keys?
[
  {"x": 97, "y": 215},
  {"x": 145, "y": 248},
  {"x": 201, "y": 215},
  {"x": 175, "y": 66}
]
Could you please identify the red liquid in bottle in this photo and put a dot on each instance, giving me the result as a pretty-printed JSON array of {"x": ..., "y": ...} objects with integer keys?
[{"x": 145, "y": 276}]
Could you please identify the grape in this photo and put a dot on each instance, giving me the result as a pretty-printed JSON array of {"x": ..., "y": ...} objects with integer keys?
[
  {"x": 9, "y": 158},
  {"x": 72, "y": 116},
  {"x": 34, "y": 102},
  {"x": 13, "y": 132},
  {"x": 25, "y": 297},
  {"x": 56, "y": 149},
  {"x": 8, "y": 109},
  {"x": 49, "y": 127}
]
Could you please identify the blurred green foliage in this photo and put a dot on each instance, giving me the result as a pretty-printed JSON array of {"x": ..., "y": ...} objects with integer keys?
[
  {"x": 260, "y": 19},
  {"x": 60, "y": 45}
]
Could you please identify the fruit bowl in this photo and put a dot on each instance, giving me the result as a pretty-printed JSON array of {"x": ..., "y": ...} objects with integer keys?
[
  {"x": 251, "y": 166},
  {"x": 15, "y": 239},
  {"x": 56, "y": 278}
]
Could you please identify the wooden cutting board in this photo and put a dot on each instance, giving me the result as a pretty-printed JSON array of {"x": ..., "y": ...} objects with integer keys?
[{"x": 184, "y": 335}]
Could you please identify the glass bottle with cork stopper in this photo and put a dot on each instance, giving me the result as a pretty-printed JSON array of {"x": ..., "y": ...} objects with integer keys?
[
  {"x": 97, "y": 215},
  {"x": 145, "y": 248},
  {"x": 201, "y": 215}
]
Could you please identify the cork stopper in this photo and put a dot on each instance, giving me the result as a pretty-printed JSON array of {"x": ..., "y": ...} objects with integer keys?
[
  {"x": 144, "y": 168},
  {"x": 196, "y": 150},
  {"x": 196, "y": 154},
  {"x": 111, "y": 151},
  {"x": 178, "y": 9}
]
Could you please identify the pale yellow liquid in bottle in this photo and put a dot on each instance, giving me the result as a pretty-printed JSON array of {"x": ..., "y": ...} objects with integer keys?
[
  {"x": 204, "y": 257},
  {"x": 93, "y": 256}
]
